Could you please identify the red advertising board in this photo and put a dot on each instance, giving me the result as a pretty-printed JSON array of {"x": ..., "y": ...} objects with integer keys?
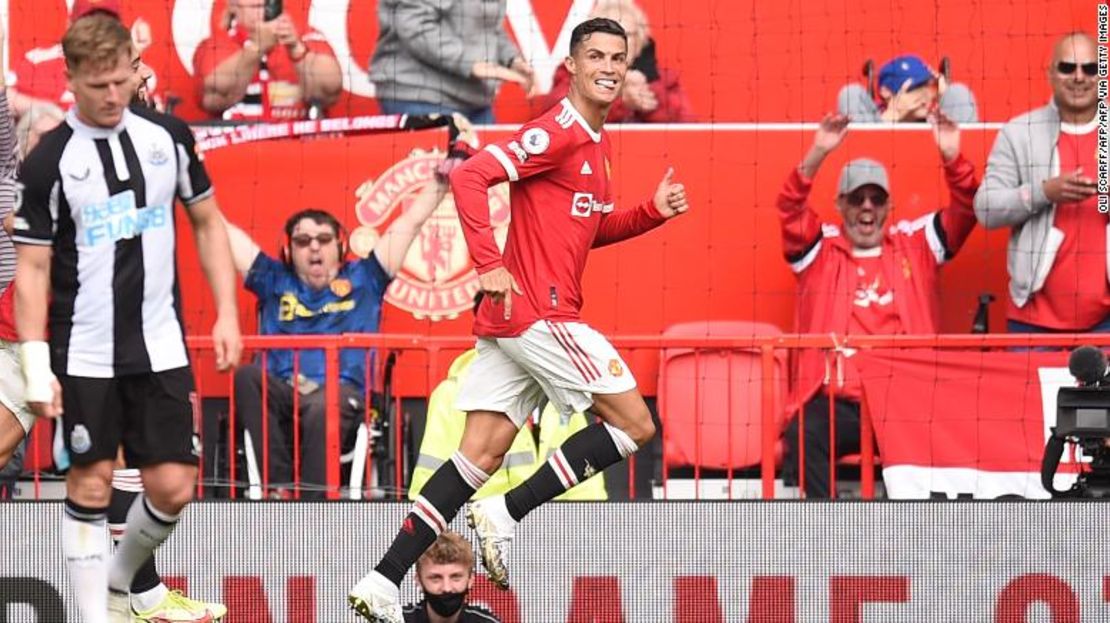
[
  {"x": 722, "y": 260},
  {"x": 706, "y": 562}
]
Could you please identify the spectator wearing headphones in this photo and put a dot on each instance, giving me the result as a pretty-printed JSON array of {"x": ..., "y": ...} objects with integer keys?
[{"x": 314, "y": 289}]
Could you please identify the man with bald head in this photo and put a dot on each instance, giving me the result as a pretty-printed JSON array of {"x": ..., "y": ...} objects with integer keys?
[{"x": 1040, "y": 182}]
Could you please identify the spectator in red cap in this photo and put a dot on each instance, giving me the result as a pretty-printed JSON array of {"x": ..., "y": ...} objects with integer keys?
[
  {"x": 259, "y": 68},
  {"x": 40, "y": 74},
  {"x": 908, "y": 90}
]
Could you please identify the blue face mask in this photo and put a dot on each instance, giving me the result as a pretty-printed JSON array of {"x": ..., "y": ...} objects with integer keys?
[{"x": 446, "y": 604}]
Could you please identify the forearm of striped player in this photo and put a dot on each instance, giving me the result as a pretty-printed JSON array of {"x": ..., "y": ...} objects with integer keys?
[
  {"x": 214, "y": 250},
  {"x": 32, "y": 291},
  {"x": 37, "y": 375}
]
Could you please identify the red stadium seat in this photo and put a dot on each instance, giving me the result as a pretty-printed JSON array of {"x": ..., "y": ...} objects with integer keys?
[{"x": 705, "y": 395}]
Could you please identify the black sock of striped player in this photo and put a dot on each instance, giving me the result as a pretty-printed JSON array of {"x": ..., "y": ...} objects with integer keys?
[
  {"x": 147, "y": 528},
  {"x": 126, "y": 486},
  {"x": 439, "y": 501},
  {"x": 86, "y": 546},
  {"x": 583, "y": 454}
]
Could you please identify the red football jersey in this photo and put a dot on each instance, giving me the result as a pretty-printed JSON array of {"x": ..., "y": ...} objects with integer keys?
[
  {"x": 561, "y": 206},
  {"x": 1075, "y": 296},
  {"x": 874, "y": 312},
  {"x": 272, "y": 92},
  {"x": 41, "y": 74},
  {"x": 7, "y": 314}
]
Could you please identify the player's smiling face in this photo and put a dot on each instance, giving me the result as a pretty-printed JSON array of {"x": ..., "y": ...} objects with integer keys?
[{"x": 598, "y": 66}]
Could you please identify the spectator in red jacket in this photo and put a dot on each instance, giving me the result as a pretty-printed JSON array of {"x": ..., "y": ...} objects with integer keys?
[
  {"x": 40, "y": 74},
  {"x": 861, "y": 277},
  {"x": 651, "y": 94},
  {"x": 254, "y": 68}
]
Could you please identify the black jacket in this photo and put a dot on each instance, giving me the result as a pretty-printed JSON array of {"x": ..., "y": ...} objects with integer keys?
[{"x": 417, "y": 613}]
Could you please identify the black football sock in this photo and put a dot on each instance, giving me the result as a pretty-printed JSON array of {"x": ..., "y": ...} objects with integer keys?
[
  {"x": 583, "y": 454},
  {"x": 127, "y": 484},
  {"x": 439, "y": 501}
]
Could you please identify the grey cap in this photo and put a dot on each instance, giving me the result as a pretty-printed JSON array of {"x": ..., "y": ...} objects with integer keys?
[{"x": 861, "y": 172}]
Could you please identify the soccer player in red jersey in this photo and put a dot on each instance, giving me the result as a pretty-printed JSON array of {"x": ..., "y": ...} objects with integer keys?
[{"x": 532, "y": 344}]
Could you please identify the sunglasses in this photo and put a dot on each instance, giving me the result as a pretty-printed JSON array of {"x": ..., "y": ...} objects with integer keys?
[
  {"x": 1064, "y": 68},
  {"x": 303, "y": 241},
  {"x": 856, "y": 199}
]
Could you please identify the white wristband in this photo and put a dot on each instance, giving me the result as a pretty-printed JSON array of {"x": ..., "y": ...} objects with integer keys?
[{"x": 37, "y": 375}]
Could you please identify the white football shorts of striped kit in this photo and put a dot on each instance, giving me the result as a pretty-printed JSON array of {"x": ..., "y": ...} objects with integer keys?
[{"x": 564, "y": 362}]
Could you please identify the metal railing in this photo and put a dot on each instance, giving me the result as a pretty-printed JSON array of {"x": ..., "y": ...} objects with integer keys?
[{"x": 434, "y": 349}]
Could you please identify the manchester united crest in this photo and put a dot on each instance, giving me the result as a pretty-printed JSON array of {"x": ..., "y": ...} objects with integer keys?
[
  {"x": 615, "y": 367},
  {"x": 340, "y": 287},
  {"x": 437, "y": 279}
]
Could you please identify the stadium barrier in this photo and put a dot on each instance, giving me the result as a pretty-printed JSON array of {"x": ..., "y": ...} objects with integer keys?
[
  {"x": 682, "y": 562},
  {"x": 1004, "y": 413}
]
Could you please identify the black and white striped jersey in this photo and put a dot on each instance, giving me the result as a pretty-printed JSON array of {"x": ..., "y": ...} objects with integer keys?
[{"x": 104, "y": 198}]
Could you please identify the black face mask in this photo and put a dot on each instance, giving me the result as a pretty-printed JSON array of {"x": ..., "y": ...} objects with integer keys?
[{"x": 446, "y": 604}]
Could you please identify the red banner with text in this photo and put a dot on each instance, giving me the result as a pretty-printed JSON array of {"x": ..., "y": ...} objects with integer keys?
[
  {"x": 963, "y": 423},
  {"x": 738, "y": 60},
  {"x": 696, "y": 562}
]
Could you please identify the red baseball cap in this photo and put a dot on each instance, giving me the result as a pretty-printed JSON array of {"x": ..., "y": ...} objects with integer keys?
[{"x": 81, "y": 8}]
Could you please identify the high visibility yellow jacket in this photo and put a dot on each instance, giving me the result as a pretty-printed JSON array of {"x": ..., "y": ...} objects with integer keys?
[{"x": 444, "y": 429}]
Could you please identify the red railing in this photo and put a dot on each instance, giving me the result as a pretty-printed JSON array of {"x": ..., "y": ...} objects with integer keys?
[{"x": 765, "y": 346}]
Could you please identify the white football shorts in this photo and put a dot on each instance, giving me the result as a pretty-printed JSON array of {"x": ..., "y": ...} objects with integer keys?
[
  {"x": 11, "y": 385},
  {"x": 568, "y": 362}
]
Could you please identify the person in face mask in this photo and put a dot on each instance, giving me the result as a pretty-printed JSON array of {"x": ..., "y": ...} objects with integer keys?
[{"x": 445, "y": 573}]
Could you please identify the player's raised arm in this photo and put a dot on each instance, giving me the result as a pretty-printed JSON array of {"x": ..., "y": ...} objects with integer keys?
[
  {"x": 668, "y": 202},
  {"x": 395, "y": 242}
]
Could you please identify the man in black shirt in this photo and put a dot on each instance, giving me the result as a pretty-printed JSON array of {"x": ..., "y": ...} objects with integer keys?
[{"x": 445, "y": 573}]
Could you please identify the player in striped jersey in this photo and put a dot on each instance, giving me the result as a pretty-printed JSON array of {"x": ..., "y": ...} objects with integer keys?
[
  {"x": 151, "y": 599},
  {"x": 95, "y": 236}
]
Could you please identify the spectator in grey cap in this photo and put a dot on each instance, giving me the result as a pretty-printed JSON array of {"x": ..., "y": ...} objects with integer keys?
[
  {"x": 908, "y": 89},
  {"x": 860, "y": 277}
]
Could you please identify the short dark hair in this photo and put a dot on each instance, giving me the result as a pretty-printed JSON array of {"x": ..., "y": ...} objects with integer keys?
[
  {"x": 320, "y": 217},
  {"x": 583, "y": 31}
]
